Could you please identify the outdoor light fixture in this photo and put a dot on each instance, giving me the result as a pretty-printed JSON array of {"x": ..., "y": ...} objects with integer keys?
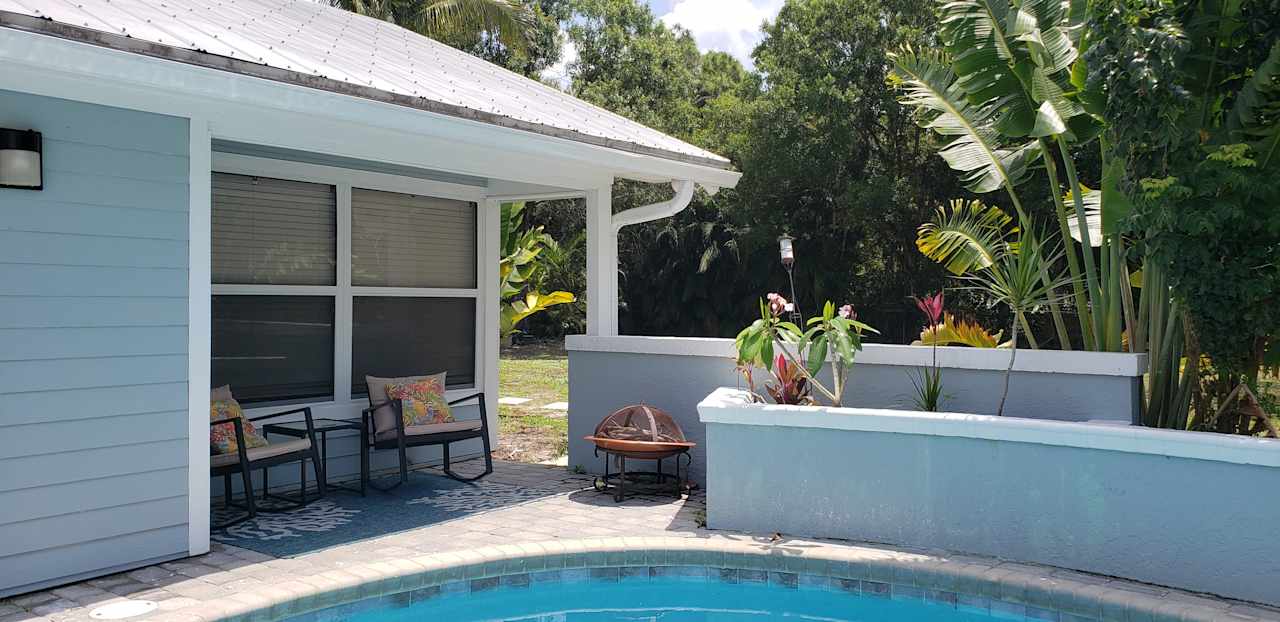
[
  {"x": 788, "y": 253},
  {"x": 20, "y": 161}
]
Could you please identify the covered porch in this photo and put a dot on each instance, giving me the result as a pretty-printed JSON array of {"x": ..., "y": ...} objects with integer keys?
[{"x": 266, "y": 215}]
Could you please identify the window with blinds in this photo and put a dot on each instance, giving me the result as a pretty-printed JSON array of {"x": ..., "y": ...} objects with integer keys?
[
  {"x": 273, "y": 348},
  {"x": 394, "y": 337},
  {"x": 275, "y": 342},
  {"x": 273, "y": 231},
  {"x": 405, "y": 240}
]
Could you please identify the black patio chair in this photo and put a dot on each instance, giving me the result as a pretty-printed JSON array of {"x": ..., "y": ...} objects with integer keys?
[
  {"x": 401, "y": 438},
  {"x": 245, "y": 461}
]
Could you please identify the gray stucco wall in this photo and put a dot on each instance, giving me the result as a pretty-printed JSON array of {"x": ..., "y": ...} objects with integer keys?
[
  {"x": 93, "y": 345},
  {"x": 1160, "y": 519},
  {"x": 601, "y": 382}
]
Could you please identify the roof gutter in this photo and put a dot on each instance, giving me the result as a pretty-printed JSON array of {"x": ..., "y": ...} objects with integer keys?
[{"x": 646, "y": 213}]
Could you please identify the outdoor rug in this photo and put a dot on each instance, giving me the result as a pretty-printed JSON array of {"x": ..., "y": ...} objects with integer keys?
[{"x": 344, "y": 517}]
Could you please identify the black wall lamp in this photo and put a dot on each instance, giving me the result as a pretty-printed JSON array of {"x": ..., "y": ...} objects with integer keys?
[{"x": 21, "y": 164}]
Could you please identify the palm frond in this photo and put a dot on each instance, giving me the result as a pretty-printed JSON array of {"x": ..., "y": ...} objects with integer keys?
[
  {"x": 510, "y": 20},
  {"x": 929, "y": 85},
  {"x": 966, "y": 237}
]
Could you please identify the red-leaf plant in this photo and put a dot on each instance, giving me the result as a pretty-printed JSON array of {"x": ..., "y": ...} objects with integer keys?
[{"x": 834, "y": 336}]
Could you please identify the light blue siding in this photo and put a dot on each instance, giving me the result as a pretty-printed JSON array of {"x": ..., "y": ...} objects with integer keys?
[{"x": 93, "y": 346}]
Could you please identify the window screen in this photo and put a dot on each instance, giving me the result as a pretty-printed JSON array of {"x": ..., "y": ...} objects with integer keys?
[
  {"x": 394, "y": 337},
  {"x": 405, "y": 240},
  {"x": 273, "y": 348},
  {"x": 273, "y": 231}
]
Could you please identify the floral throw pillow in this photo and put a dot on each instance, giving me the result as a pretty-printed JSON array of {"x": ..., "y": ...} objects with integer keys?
[
  {"x": 421, "y": 402},
  {"x": 222, "y": 437}
]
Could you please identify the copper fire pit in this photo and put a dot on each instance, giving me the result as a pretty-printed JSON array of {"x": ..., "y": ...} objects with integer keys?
[{"x": 640, "y": 432}]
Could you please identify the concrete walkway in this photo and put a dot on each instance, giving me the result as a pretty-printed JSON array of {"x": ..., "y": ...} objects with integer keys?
[{"x": 232, "y": 579}]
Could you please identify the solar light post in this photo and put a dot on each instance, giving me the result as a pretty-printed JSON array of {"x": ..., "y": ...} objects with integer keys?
[{"x": 787, "y": 251}]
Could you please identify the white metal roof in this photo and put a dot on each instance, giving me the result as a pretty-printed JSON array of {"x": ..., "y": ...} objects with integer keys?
[{"x": 352, "y": 54}]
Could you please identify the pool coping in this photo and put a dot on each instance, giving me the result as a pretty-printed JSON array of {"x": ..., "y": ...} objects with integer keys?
[{"x": 1005, "y": 589}]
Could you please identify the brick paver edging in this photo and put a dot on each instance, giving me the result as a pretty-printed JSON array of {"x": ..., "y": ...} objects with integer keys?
[{"x": 1009, "y": 590}]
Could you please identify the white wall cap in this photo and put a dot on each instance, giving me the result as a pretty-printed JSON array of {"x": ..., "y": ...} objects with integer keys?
[
  {"x": 730, "y": 406},
  {"x": 1042, "y": 361}
]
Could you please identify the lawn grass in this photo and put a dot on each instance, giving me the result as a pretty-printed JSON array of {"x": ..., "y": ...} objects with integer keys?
[{"x": 527, "y": 433}]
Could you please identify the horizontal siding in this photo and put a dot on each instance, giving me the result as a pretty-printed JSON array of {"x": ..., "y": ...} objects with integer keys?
[
  {"x": 91, "y": 281},
  {"x": 93, "y": 345},
  {"x": 99, "y": 220},
  {"x": 30, "y": 571},
  {"x": 82, "y": 312},
  {"x": 103, "y": 464},
  {"x": 81, "y": 434},
  {"x": 81, "y": 496},
  {"x": 75, "y": 249},
  {"x": 30, "y": 344},
  {"x": 108, "y": 191},
  {"x": 98, "y": 524},
  {"x": 56, "y": 375},
  {"x": 36, "y": 406}
]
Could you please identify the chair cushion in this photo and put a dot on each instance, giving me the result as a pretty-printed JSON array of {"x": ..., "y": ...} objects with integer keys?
[
  {"x": 220, "y": 394},
  {"x": 222, "y": 437},
  {"x": 260, "y": 453},
  {"x": 384, "y": 418},
  {"x": 435, "y": 428}
]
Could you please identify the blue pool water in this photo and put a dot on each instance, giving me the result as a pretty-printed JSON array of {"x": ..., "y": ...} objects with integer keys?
[{"x": 661, "y": 600}]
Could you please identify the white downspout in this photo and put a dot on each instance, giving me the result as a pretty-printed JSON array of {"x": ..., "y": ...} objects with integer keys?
[{"x": 645, "y": 213}]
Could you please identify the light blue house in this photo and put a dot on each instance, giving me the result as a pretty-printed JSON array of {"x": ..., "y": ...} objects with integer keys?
[{"x": 271, "y": 194}]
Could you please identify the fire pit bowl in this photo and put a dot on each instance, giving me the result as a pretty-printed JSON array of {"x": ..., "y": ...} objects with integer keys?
[{"x": 639, "y": 432}]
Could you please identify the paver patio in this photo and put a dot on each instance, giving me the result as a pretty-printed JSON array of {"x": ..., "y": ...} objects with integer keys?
[{"x": 570, "y": 512}]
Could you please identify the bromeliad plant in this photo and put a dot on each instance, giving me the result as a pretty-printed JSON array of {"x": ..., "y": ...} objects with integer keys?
[{"x": 792, "y": 354}]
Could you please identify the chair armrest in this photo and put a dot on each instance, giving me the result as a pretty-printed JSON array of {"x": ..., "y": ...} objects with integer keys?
[
  {"x": 369, "y": 410},
  {"x": 219, "y": 421},
  {"x": 467, "y": 398}
]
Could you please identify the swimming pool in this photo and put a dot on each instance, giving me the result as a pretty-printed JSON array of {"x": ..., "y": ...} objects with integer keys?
[{"x": 666, "y": 594}]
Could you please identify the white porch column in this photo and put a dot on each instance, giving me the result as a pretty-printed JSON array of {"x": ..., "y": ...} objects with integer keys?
[
  {"x": 490, "y": 303},
  {"x": 602, "y": 263}
]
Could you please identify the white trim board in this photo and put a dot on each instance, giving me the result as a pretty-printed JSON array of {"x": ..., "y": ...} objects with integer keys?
[
  {"x": 1039, "y": 361},
  {"x": 199, "y": 358},
  {"x": 730, "y": 406}
]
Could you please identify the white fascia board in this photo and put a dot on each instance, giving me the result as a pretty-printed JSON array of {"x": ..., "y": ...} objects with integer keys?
[
  {"x": 731, "y": 406},
  {"x": 266, "y": 112},
  {"x": 995, "y": 359}
]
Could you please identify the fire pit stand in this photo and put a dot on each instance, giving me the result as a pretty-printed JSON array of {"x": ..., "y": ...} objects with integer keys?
[
  {"x": 643, "y": 482},
  {"x": 640, "y": 433}
]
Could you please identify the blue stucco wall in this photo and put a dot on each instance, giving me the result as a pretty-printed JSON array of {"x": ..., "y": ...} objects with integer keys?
[
  {"x": 1187, "y": 523},
  {"x": 93, "y": 345},
  {"x": 601, "y": 382}
]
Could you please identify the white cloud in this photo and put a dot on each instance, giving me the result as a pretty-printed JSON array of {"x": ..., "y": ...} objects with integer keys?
[
  {"x": 731, "y": 26},
  {"x": 559, "y": 72}
]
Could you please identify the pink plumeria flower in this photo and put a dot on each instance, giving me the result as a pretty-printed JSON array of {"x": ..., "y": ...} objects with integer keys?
[
  {"x": 846, "y": 312},
  {"x": 778, "y": 304}
]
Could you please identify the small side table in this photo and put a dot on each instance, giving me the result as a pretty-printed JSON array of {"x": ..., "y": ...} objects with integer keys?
[{"x": 298, "y": 429}]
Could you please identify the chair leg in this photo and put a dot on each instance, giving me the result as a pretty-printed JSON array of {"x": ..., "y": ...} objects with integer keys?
[
  {"x": 488, "y": 463},
  {"x": 321, "y": 478},
  {"x": 226, "y": 491},
  {"x": 364, "y": 466},
  {"x": 404, "y": 464},
  {"x": 247, "y": 478}
]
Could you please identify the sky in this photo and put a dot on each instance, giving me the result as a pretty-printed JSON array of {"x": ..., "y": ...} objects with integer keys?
[{"x": 731, "y": 26}]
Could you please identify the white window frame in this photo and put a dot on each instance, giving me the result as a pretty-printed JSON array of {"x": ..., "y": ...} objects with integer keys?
[{"x": 343, "y": 292}]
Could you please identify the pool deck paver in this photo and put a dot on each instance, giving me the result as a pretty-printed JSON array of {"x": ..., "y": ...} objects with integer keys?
[{"x": 569, "y": 524}]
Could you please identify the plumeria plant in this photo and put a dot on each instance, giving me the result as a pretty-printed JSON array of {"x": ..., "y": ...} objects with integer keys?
[
  {"x": 928, "y": 381},
  {"x": 793, "y": 354}
]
